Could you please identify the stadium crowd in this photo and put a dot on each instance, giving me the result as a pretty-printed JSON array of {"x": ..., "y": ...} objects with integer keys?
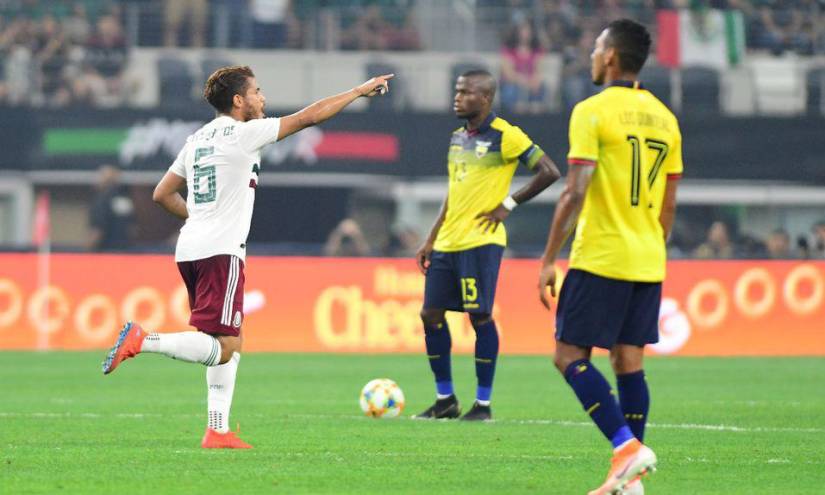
[
  {"x": 60, "y": 53},
  {"x": 722, "y": 240},
  {"x": 75, "y": 51}
]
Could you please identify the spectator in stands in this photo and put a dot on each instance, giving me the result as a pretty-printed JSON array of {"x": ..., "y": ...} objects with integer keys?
[
  {"x": 54, "y": 52},
  {"x": 577, "y": 83},
  {"x": 557, "y": 25},
  {"x": 750, "y": 247},
  {"x": 111, "y": 217},
  {"x": 779, "y": 245},
  {"x": 818, "y": 247},
  {"x": 106, "y": 56},
  {"x": 718, "y": 244},
  {"x": 273, "y": 24},
  {"x": 812, "y": 32},
  {"x": 522, "y": 88},
  {"x": 780, "y": 27},
  {"x": 17, "y": 46},
  {"x": 195, "y": 13},
  {"x": 347, "y": 239},
  {"x": 76, "y": 25},
  {"x": 367, "y": 33},
  {"x": 404, "y": 241},
  {"x": 404, "y": 35}
]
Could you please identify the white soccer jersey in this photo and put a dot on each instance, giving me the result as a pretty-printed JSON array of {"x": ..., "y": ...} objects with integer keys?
[{"x": 221, "y": 162}]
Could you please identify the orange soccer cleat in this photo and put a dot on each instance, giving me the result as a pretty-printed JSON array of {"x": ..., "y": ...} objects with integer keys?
[
  {"x": 229, "y": 440},
  {"x": 127, "y": 346},
  {"x": 634, "y": 487},
  {"x": 632, "y": 461}
]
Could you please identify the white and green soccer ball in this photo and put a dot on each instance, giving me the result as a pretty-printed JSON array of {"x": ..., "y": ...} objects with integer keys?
[{"x": 382, "y": 398}]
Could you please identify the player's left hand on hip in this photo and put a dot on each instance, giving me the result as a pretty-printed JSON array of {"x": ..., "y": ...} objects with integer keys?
[{"x": 491, "y": 219}]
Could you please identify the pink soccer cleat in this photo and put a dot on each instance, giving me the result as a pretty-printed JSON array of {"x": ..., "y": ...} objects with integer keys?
[{"x": 127, "y": 346}]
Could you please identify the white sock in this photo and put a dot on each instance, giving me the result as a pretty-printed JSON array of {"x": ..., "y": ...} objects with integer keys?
[
  {"x": 194, "y": 347},
  {"x": 220, "y": 381},
  {"x": 483, "y": 402}
]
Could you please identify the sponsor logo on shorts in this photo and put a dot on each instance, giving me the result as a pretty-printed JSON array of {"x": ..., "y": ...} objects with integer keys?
[{"x": 236, "y": 322}]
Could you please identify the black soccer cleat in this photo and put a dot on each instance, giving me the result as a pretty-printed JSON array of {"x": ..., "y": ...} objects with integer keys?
[
  {"x": 447, "y": 408},
  {"x": 478, "y": 413}
]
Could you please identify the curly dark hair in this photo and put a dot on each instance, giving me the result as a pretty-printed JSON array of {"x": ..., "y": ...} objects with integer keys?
[{"x": 224, "y": 84}]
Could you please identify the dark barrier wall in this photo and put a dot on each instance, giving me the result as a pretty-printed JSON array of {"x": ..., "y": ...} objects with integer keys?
[{"x": 412, "y": 145}]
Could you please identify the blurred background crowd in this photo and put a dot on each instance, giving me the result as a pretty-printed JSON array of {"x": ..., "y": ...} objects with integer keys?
[
  {"x": 78, "y": 57},
  {"x": 75, "y": 51}
]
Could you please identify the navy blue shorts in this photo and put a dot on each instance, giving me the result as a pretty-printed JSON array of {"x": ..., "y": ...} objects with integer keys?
[
  {"x": 463, "y": 280},
  {"x": 597, "y": 311}
]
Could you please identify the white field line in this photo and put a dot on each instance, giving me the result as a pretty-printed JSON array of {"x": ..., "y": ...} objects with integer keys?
[{"x": 547, "y": 422}]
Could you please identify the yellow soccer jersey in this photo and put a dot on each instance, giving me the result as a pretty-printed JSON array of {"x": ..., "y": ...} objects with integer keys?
[
  {"x": 481, "y": 166},
  {"x": 634, "y": 142}
]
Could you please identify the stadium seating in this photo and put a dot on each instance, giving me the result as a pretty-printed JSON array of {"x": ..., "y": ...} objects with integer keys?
[
  {"x": 700, "y": 89},
  {"x": 657, "y": 80},
  {"x": 176, "y": 81},
  {"x": 815, "y": 82}
]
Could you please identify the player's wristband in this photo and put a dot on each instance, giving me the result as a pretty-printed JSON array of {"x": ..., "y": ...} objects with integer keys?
[{"x": 509, "y": 203}]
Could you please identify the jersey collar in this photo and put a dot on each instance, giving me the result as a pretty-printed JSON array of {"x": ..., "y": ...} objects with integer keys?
[
  {"x": 622, "y": 83},
  {"x": 484, "y": 127}
]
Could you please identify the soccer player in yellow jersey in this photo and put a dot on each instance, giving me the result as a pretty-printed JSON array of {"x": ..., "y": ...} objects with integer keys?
[
  {"x": 620, "y": 195},
  {"x": 462, "y": 254}
]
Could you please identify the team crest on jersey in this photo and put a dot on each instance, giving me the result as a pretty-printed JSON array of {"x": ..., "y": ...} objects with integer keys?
[
  {"x": 482, "y": 147},
  {"x": 236, "y": 322}
]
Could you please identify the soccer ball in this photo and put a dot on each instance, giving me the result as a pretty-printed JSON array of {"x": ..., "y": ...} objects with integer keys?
[{"x": 382, "y": 398}]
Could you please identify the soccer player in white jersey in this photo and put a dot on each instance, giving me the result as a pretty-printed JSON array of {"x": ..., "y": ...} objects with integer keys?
[{"x": 219, "y": 165}]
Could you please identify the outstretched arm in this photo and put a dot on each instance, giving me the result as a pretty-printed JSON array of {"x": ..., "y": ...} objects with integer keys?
[
  {"x": 326, "y": 108},
  {"x": 564, "y": 221},
  {"x": 167, "y": 195},
  {"x": 546, "y": 173}
]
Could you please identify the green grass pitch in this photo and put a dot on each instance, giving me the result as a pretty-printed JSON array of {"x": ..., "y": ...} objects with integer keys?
[{"x": 721, "y": 426}]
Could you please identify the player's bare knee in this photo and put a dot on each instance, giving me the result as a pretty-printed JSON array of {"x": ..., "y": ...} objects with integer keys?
[
  {"x": 567, "y": 354},
  {"x": 626, "y": 359},
  {"x": 622, "y": 365},
  {"x": 229, "y": 346},
  {"x": 432, "y": 317},
  {"x": 561, "y": 361}
]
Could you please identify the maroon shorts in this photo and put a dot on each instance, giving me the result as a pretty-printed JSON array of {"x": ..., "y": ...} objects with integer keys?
[{"x": 215, "y": 287}]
